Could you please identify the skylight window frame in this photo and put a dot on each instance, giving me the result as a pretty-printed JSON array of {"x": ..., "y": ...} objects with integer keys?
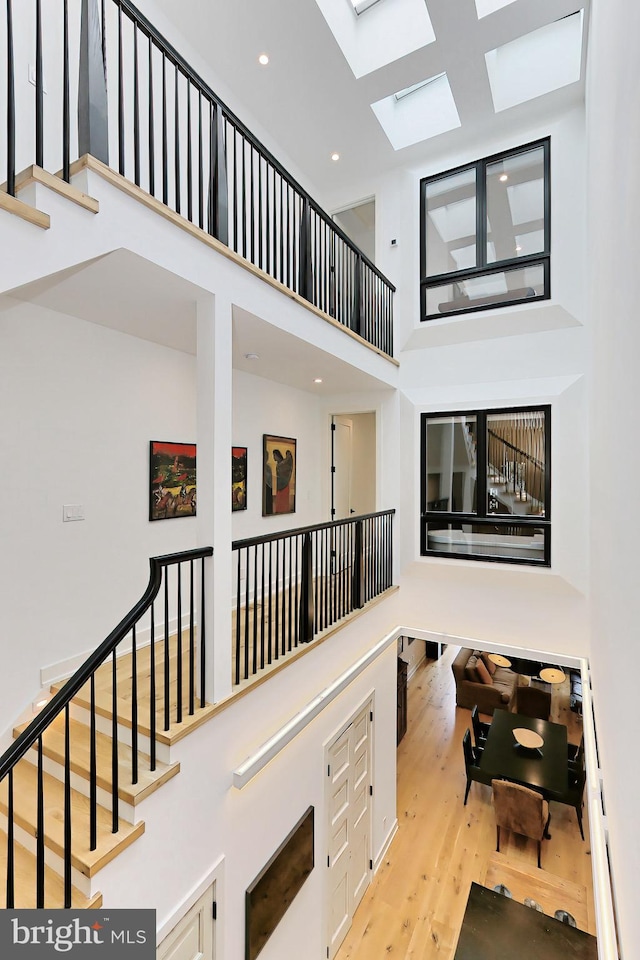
[
  {"x": 483, "y": 267},
  {"x": 362, "y": 5}
]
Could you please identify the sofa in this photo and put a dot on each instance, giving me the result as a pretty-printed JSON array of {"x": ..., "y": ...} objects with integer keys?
[{"x": 491, "y": 687}]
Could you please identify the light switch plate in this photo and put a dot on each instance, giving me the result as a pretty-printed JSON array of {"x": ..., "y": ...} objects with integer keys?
[{"x": 72, "y": 511}]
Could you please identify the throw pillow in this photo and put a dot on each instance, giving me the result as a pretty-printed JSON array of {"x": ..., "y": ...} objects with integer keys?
[
  {"x": 483, "y": 674},
  {"x": 471, "y": 669},
  {"x": 489, "y": 664}
]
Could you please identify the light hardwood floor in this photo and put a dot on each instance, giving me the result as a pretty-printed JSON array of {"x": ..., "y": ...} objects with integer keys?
[{"x": 415, "y": 905}]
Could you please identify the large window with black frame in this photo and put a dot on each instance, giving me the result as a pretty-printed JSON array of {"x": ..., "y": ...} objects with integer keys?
[
  {"x": 486, "y": 485},
  {"x": 486, "y": 233}
]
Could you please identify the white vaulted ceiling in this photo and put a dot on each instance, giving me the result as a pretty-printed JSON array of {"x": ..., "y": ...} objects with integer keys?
[{"x": 327, "y": 67}]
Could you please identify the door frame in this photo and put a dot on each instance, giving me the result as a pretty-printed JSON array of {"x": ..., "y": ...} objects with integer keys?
[{"x": 367, "y": 702}]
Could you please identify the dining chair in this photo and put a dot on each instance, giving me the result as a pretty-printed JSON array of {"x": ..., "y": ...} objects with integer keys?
[
  {"x": 573, "y": 796},
  {"x": 532, "y": 702},
  {"x": 472, "y": 764},
  {"x": 576, "y": 753},
  {"x": 520, "y": 810},
  {"x": 480, "y": 729}
]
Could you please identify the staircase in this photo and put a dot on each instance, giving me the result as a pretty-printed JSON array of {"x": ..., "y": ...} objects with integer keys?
[{"x": 73, "y": 780}]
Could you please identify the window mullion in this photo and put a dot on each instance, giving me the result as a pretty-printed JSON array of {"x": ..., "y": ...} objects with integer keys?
[
  {"x": 481, "y": 215},
  {"x": 481, "y": 464}
]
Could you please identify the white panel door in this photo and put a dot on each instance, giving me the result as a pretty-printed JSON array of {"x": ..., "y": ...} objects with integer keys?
[
  {"x": 192, "y": 937},
  {"x": 349, "y": 777}
]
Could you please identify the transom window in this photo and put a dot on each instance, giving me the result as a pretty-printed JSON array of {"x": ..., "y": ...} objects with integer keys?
[
  {"x": 486, "y": 488},
  {"x": 486, "y": 233}
]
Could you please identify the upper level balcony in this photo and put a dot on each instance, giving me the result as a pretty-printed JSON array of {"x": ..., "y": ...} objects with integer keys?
[{"x": 143, "y": 111}]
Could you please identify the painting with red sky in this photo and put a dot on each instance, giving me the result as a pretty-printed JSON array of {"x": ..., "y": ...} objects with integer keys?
[{"x": 172, "y": 480}]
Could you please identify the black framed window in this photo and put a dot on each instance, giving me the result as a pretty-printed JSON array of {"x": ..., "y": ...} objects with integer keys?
[
  {"x": 486, "y": 485},
  {"x": 485, "y": 233}
]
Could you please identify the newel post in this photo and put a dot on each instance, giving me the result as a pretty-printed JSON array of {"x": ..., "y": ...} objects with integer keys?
[
  {"x": 218, "y": 187},
  {"x": 93, "y": 125},
  {"x": 307, "y": 611},
  {"x": 356, "y": 311},
  {"x": 305, "y": 273}
]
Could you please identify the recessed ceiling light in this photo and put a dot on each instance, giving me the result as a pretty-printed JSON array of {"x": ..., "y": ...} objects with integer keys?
[
  {"x": 518, "y": 248},
  {"x": 263, "y": 59},
  {"x": 503, "y": 177},
  {"x": 251, "y": 356},
  {"x": 318, "y": 380},
  {"x": 335, "y": 157}
]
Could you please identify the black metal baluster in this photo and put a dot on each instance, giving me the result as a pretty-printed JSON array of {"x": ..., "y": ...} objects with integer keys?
[
  {"x": 268, "y": 219},
  {"x": 235, "y": 189},
  {"x": 11, "y": 110},
  {"x": 134, "y": 706},
  {"x": 136, "y": 109},
  {"x": 246, "y": 615},
  {"x": 260, "y": 234},
  {"x": 277, "y": 603},
  {"x": 269, "y": 646},
  {"x": 244, "y": 201},
  {"x": 281, "y": 230},
  {"x": 192, "y": 649},
  {"x": 189, "y": 156},
  {"x": 325, "y": 574},
  {"x": 165, "y": 145},
  {"x": 10, "y": 898},
  {"x": 93, "y": 770},
  {"x": 262, "y": 608},
  {"x": 179, "y": 650},
  {"x": 152, "y": 156},
  {"x": 203, "y": 659},
  {"x": 66, "y": 123},
  {"x": 167, "y": 687},
  {"x": 152, "y": 691},
  {"x": 200, "y": 166},
  {"x": 176, "y": 136},
  {"x": 255, "y": 611},
  {"x": 120, "y": 96},
  {"x": 40, "y": 833},
  {"x": 39, "y": 89},
  {"x": 114, "y": 744},
  {"x": 238, "y": 610},
  {"x": 252, "y": 210},
  {"x": 290, "y": 625},
  {"x": 296, "y": 606},
  {"x": 67, "y": 811},
  {"x": 288, "y": 243}
]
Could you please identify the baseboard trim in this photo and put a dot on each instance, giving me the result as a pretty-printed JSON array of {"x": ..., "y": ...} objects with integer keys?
[{"x": 377, "y": 863}]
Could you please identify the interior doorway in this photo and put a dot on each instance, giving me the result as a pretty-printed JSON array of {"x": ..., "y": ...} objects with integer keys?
[
  {"x": 353, "y": 465},
  {"x": 192, "y": 938},
  {"x": 359, "y": 223}
]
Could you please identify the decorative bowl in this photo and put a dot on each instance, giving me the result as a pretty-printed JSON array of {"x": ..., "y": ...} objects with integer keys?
[{"x": 528, "y": 738}]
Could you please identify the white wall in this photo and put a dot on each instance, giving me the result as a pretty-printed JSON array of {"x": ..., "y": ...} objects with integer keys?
[
  {"x": 261, "y": 406},
  {"x": 81, "y": 404},
  {"x": 614, "y": 205}
]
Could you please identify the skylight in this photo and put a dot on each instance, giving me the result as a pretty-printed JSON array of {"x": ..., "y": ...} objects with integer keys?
[
  {"x": 418, "y": 112},
  {"x": 536, "y": 64}
]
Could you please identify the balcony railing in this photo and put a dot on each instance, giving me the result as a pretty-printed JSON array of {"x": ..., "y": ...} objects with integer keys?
[
  {"x": 293, "y": 585},
  {"x": 170, "y": 134}
]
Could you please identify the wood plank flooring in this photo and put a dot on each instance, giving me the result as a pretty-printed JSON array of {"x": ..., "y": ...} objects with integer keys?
[{"x": 415, "y": 904}]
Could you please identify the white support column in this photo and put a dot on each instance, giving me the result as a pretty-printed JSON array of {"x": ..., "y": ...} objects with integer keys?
[{"x": 214, "y": 374}]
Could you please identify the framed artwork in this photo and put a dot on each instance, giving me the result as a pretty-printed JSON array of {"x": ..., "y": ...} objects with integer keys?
[
  {"x": 172, "y": 480},
  {"x": 238, "y": 478},
  {"x": 278, "y": 475}
]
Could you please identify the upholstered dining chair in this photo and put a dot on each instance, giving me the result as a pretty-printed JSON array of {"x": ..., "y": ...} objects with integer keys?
[
  {"x": 520, "y": 810},
  {"x": 471, "y": 764},
  {"x": 532, "y": 702},
  {"x": 573, "y": 796},
  {"x": 480, "y": 729}
]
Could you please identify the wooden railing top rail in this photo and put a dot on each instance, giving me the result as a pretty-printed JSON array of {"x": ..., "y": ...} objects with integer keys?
[
  {"x": 54, "y": 707},
  {"x": 513, "y": 447},
  {"x": 297, "y": 531},
  {"x": 178, "y": 60}
]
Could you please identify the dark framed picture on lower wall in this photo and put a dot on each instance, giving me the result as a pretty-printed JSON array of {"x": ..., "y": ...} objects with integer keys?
[
  {"x": 278, "y": 475},
  {"x": 238, "y": 478},
  {"x": 172, "y": 480}
]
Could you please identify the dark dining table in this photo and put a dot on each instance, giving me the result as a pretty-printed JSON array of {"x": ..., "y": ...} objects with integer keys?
[
  {"x": 496, "y": 927},
  {"x": 545, "y": 769}
]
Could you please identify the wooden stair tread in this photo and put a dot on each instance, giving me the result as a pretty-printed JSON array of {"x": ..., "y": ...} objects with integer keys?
[
  {"x": 25, "y": 882},
  {"x": 85, "y": 860},
  {"x": 550, "y": 891},
  {"x": 80, "y": 744}
]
